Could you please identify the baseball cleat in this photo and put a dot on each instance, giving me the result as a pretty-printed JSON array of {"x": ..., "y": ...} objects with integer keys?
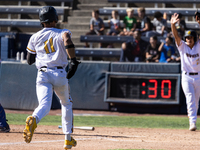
[
  {"x": 68, "y": 144},
  {"x": 192, "y": 127},
  {"x": 5, "y": 129},
  {"x": 29, "y": 129}
]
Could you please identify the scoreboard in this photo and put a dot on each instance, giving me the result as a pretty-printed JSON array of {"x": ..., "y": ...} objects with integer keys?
[{"x": 142, "y": 88}]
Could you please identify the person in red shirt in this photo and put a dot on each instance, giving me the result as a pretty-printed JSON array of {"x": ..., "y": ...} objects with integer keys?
[{"x": 134, "y": 51}]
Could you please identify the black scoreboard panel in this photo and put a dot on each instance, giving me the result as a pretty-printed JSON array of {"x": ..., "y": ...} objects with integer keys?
[{"x": 142, "y": 88}]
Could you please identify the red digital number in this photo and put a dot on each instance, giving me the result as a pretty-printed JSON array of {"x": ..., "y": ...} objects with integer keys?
[
  {"x": 169, "y": 89},
  {"x": 153, "y": 88}
]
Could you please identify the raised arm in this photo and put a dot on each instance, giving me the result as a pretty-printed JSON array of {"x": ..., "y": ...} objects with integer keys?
[{"x": 174, "y": 20}]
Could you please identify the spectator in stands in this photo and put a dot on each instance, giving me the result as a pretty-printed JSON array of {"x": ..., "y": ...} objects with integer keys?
[
  {"x": 160, "y": 25},
  {"x": 129, "y": 23},
  {"x": 114, "y": 25},
  {"x": 167, "y": 51},
  {"x": 134, "y": 51},
  {"x": 144, "y": 23},
  {"x": 96, "y": 26},
  {"x": 152, "y": 53},
  {"x": 176, "y": 57}
]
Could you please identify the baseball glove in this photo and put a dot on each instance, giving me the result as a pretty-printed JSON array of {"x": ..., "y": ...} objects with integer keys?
[{"x": 73, "y": 65}]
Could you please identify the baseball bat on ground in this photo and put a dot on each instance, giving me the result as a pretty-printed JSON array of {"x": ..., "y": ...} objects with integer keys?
[{"x": 81, "y": 128}]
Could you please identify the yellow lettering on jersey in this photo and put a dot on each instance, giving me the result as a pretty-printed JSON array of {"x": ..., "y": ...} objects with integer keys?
[
  {"x": 51, "y": 44},
  {"x": 46, "y": 47}
]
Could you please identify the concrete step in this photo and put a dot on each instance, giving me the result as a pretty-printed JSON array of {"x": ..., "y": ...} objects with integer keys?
[
  {"x": 93, "y": 1},
  {"x": 80, "y": 26},
  {"x": 82, "y": 13},
  {"x": 79, "y": 19},
  {"x": 76, "y": 39},
  {"x": 93, "y": 6},
  {"x": 26, "y": 29},
  {"x": 78, "y": 32},
  {"x": 79, "y": 45}
]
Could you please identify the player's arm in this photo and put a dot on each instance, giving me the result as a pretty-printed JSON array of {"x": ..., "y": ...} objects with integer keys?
[
  {"x": 70, "y": 49},
  {"x": 30, "y": 58},
  {"x": 69, "y": 46},
  {"x": 102, "y": 27},
  {"x": 174, "y": 20},
  {"x": 161, "y": 46}
]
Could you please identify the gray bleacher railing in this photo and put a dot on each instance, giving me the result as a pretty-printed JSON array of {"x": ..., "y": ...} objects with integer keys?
[
  {"x": 99, "y": 52},
  {"x": 189, "y": 24},
  {"x": 20, "y": 23},
  {"x": 153, "y": 1},
  {"x": 44, "y": 0},
  {"x": 110, "y": 39},
  {"x": 26, "y": 9},
  {"x": 62, "y": 1},
  {"x": 149, "y": 11},
  {"x": 105, "y": 52}
]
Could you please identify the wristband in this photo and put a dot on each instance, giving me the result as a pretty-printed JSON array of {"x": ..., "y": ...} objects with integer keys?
[
  {"x": 69, "y": 46},
  {"x": 73, "y": 59}
]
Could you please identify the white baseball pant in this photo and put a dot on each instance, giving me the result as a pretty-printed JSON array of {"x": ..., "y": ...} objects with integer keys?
[
  {"x": 191, "y": 89},
  {"x": 49, "y": 80}
]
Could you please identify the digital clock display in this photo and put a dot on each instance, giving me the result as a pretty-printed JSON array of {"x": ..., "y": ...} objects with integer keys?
[{"x": 142, "y": 88}]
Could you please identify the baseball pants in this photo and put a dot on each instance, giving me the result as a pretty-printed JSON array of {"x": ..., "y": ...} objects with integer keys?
[
  {"x": 49, "y": 80},
  {"x": 191, "y": 89}
]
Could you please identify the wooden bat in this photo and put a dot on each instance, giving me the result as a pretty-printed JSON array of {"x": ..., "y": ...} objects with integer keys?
[{"x": 81, "y": 128}]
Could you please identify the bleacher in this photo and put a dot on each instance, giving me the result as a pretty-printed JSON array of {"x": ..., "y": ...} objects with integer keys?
[
  {"x": 194, "y": 2},
  {"x": 105, "y": 52},
  {"x": 21, "y": 16},
  {"x": 62, "y": 2},
  {"x": 111, "y": 39},
  {"x": 189, "y": 24},
  {"x": 15, "y": 15},
  {"x": 96, "y": 52},
  {"x": 25, "y": 13},
  {"x": 25, "y": 10},
  {"x": 153, "y": 1},
  {"x": 149, "y": 11}
]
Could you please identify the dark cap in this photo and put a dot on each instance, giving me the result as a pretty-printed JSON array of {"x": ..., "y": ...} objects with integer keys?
[{"x": 48, "y": 14}]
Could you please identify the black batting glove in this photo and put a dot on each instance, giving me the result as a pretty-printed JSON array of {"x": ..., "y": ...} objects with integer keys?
[{"x": 73, "y": 65}]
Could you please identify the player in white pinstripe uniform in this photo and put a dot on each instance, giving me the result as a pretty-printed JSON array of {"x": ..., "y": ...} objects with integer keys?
[
  {"x": 49, "y": 49},
  {"x": 190, "y": 65}
]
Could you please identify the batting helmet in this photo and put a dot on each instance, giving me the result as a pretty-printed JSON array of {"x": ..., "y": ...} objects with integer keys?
[
  {"x": 191, "y": 33},
  {"x": 48, "y": 14}
]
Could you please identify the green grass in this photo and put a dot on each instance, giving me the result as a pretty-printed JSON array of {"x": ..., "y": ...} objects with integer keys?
[{"x": 170, "y": 122}]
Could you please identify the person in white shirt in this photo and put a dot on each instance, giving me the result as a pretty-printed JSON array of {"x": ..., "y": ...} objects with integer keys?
[
  {"x": 49, "y": 49},
  {"x": 160, "y": 24},
  {"x": 114, "y": 25},
  {"x": 189, "y": 50}
]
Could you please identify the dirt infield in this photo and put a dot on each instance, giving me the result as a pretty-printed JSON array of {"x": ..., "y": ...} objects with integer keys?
[{"x": 52, "y": 138}]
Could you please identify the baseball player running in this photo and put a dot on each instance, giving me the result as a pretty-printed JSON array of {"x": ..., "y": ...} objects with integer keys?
[
  {"x": 190, "y": 65},
  {"x": 49, "y": 49}
]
